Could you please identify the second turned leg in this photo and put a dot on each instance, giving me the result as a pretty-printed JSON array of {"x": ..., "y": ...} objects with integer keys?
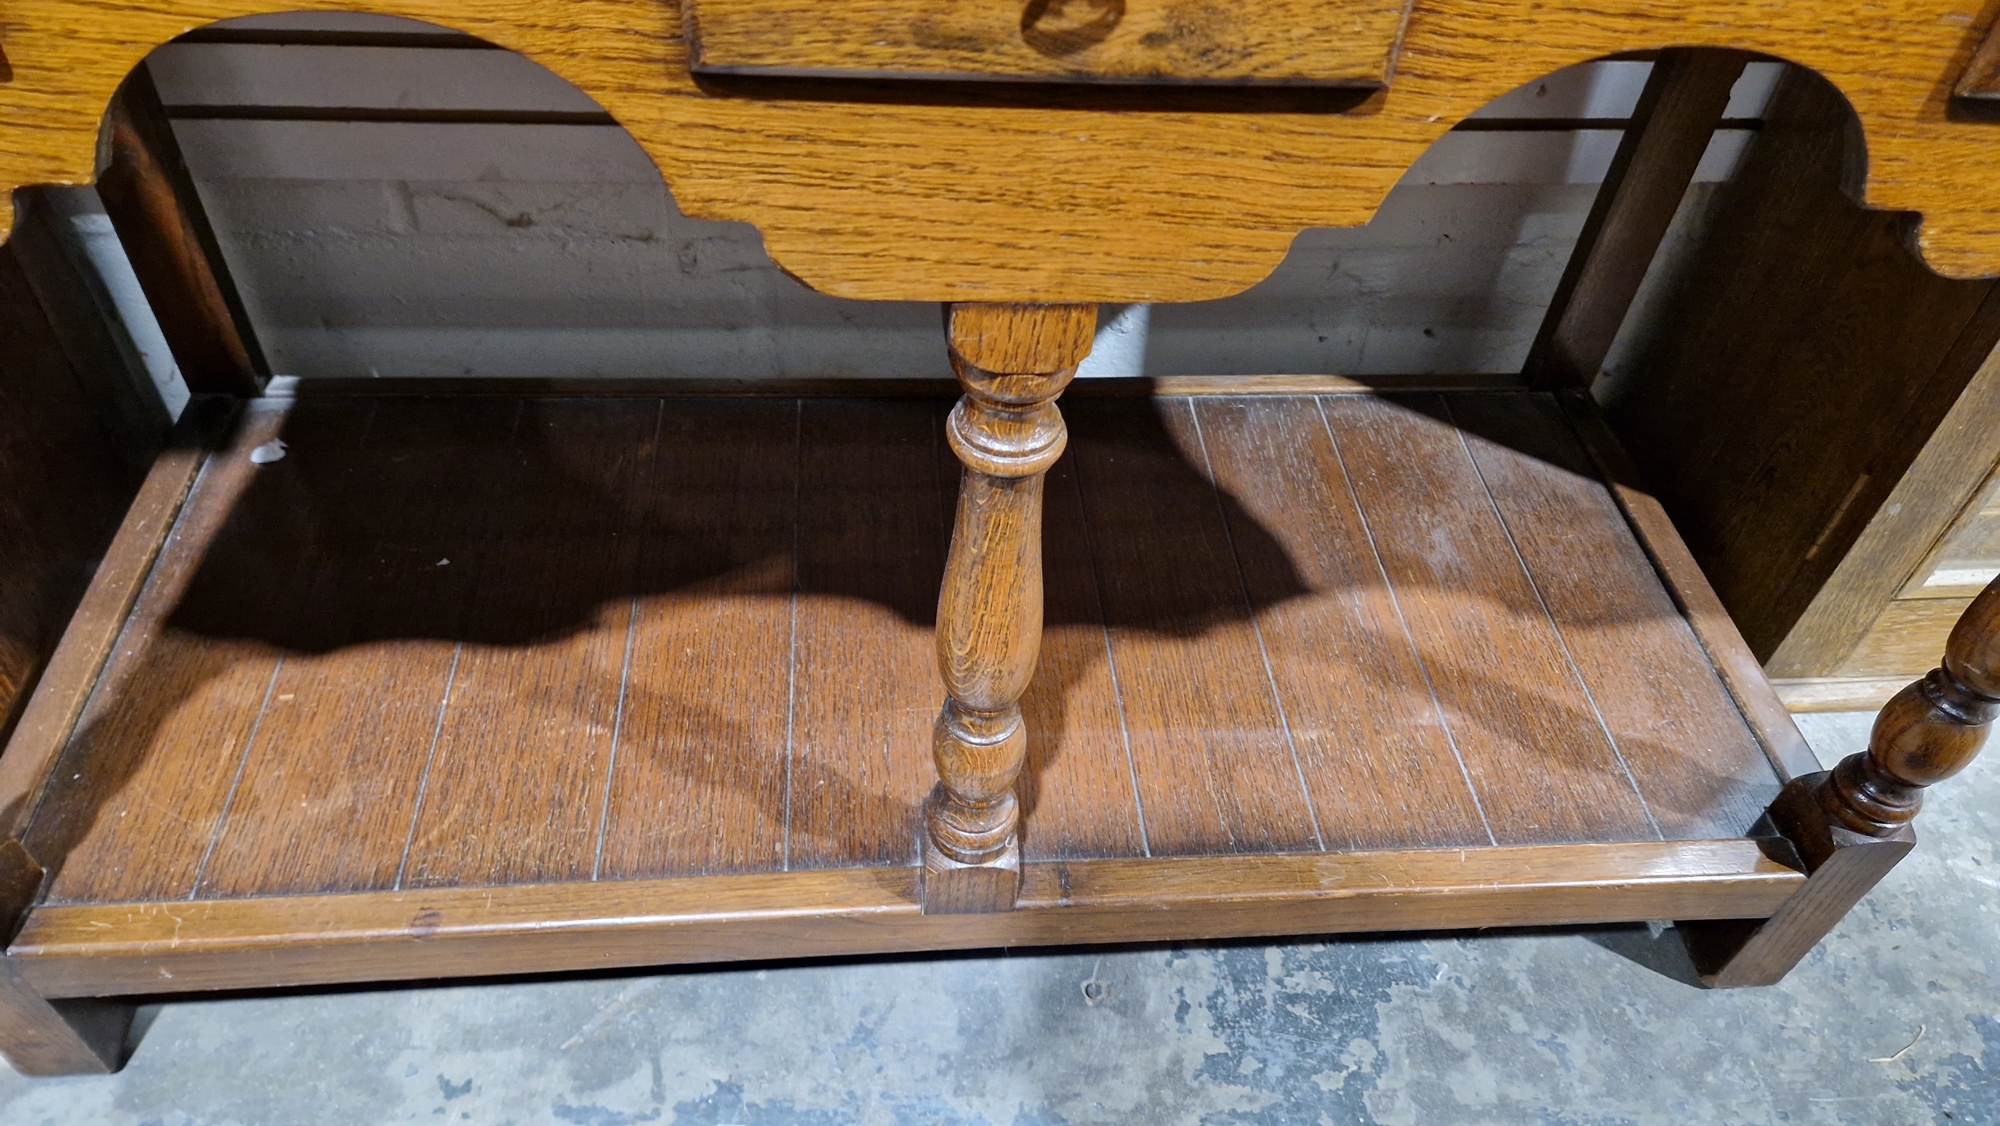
[{"x": 1012, "y": 360}]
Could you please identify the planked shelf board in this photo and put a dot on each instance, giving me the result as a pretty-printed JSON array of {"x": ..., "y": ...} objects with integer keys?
[{"x": 494, "y": 682}]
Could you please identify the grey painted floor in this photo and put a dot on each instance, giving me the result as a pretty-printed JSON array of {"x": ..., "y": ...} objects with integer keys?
[{"x": 1896, "y": 1019}]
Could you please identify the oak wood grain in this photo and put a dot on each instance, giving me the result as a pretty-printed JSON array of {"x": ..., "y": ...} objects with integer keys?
[
  {"x": 300, "y": 940},
  {"x": 1133, "y": 40},
  {"x": 1682, "y": 577},
  {"x": 549, "y": 708},
  {"x": 1695, "y": 761},
  {"x": 1798, "y": 290},
  {"x": 698, "y": 785},
  {"x": 138, "y": 794},
  {"x": 1038, "y": 202},
  {"x": 1511, "y": 694},
  {"x": 1180, "y": 639},
  {"x": 373, "y": 629},
  {"x": 871, "y": 552},
  {"x": 1372, "y": 748}
]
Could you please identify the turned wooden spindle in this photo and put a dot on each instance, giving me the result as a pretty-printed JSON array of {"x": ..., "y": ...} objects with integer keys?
[
  {"x": 1012, "y": 361},
  {"x": 1851, "y": 824}
]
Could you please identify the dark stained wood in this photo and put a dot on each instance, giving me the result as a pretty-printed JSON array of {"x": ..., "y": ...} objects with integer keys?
[
  {"x": 1682, "y": 103},
  {"x": 1982, "y": 76},
  {"x": 871, "y": 557},
  {"x": 547, "y": 704},
  {"x": 698, "y": 783},
  {"x": 137, "y": 796},
  {"x": 1733, "y": 416},
  {"x": 349, "y": 529},
  {"x": 41, "y": 1037},
  {"x": 65, "y": 489},
  {"x": 1852, "y": 824},
  {"x": 1078, "y": 799},
  {"x": 1702, "y": 771},
  {"x": 509, "y": 387},
  {"x": 1181, "y": 642},
  {"x": 1755, "y": 697},
  {"x": 1512, "y": 697},
  {"x": 50, "y": 715},
  {"x": 158, "y": 215},
  {"x": 1012, "y": 360},
  {"x": 300, "y": 669},
  {"x": 299, "y": 940},
  {"x": 90, "y": 331},
  {"x": 1376, "y": 758}
]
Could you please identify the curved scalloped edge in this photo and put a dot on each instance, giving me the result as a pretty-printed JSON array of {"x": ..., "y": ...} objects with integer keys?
[{"x": 964, "y": 203}]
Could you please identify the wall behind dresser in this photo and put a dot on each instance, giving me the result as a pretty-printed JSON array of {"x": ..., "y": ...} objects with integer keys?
[{"x": 400, "y": 201}]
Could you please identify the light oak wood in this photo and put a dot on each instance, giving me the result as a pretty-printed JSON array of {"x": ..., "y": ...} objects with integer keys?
[
  {"x": 1013, "y": 360},
  {"x": 893, "y": 200},
  {"x": 1290, "y": 41},
  {"x": 115, "y": 949}
]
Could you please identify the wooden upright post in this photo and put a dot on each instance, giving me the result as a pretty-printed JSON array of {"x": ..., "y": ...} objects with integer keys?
[
  {"x": 1678, "y": 111},
  {"x": 159, "y": 219},
  {"x": 1012, "y": 360},
  {"x": 1852, "y": 824}
]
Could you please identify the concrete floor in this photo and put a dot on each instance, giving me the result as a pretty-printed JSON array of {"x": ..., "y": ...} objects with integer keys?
[{"x": 1895, "y": 1019}]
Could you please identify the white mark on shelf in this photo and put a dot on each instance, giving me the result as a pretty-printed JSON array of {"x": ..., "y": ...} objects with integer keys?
[{"x": 273, "y": 450}]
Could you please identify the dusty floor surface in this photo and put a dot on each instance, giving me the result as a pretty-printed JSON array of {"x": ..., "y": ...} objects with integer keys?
[{"x": 1894, "y": 1020}]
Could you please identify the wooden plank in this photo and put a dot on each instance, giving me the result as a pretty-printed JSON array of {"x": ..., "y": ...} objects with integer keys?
[
  {"x": 1373, "y": 749},
  {"x": 1511, "y": 696},
  {"x": 698, "y": 785},
  {"x": 1676, "y": 116},
  {"x": 1906, "y": 640},
  {"x": 1685, "y": 583},
  {"x": 538, "y": 683},
  {"x": 139, "y": 792},
  {"x": 1077, "y": 792},
  {"x": 374, "y": 498},
  {"x": 153, "y": 205},
  {"x": 51, "y": 713},
  {"x": 1039, "y": 202},
  {"x": 1697, "y": 764},
  {"x": 66, "y": 487},
  {"x": 866, "y": 687},
  {"x": 1150, "y": 41},
  {"x": 301, "y": 940},
  {"x": 1182, "y": 639},
  {"x": 1916, "y": 516},
  {"x": 1838, "y": 693},
  {"x": 1771, "y": 479}
]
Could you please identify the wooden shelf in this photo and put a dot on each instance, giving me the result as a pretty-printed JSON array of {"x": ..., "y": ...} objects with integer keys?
[{"x": 496, "y": 682}]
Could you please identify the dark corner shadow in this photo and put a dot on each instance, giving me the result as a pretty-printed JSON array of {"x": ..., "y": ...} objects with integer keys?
[
  {"x": 1660, "y": 951},
  {"x": 514, "y": 522}
]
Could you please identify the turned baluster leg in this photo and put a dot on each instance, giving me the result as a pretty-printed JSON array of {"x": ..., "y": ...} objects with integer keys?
[
  {"x": 1852, "y": 824},
  {"x": 1012, "y": 360}
]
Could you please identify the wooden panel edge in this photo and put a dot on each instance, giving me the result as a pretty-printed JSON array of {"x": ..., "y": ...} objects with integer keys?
[
  {"x": 140, "y": 948},
  {"x": 1914, "y": 518},
  {"x": 1733, "y": 660},
  {"x": 93, "y": 630},
  {"x": 1837, "y": 693},
  {"x": 294, "y": 387}
]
